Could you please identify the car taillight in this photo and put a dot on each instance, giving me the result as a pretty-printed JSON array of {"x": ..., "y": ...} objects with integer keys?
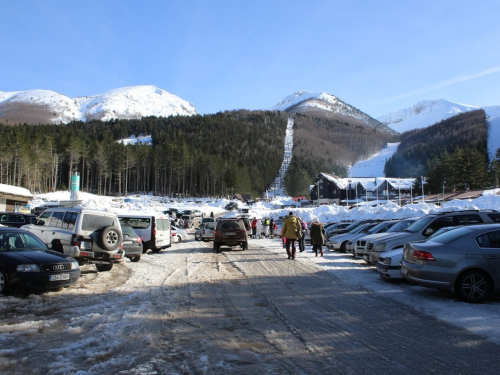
[
  {"x": 139, "y": 239},
  {"x": 423, "y": 255},
  {"x": 75, "y": 242}
]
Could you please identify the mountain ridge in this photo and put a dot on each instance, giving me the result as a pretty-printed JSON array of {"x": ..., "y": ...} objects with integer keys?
[{"x": 49, "y": 107}]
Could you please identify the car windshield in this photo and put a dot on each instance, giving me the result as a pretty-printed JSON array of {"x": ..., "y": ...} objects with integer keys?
[
  {"x": 379, "y": 226},
  {"x": 128, "y": 230},
  {"x": 400, "y": 226},
  {"x": 20, "y": 241},
  {"x": 419, "y": 224},
  {"x": 210, "y": 225},
  {"x": 352, "y": 226},
  {"x": 450, "y": 235}
]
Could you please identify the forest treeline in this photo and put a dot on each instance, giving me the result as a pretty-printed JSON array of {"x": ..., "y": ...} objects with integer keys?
[
  {"x": 451, "y": 154},
  {"x": 210, "y": 155}
]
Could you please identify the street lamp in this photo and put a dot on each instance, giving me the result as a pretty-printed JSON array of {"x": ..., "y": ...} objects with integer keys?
[{"x": 347, "y": 192}]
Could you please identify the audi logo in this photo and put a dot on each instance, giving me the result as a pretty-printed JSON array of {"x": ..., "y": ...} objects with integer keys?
[{"x": 58, "y": 267}]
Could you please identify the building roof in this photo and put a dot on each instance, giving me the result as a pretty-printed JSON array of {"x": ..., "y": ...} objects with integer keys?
[
  {"x": 368, "y": 183},
  {"x": 11, "y": 191}
]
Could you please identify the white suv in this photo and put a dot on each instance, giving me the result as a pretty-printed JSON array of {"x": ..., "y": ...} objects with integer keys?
[{"x": 89, "y": 236}]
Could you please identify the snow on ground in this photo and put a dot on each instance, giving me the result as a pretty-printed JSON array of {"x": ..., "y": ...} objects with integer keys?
[
  {"x": 482, "y": 319},
  {"x": 374, "y": 165}
]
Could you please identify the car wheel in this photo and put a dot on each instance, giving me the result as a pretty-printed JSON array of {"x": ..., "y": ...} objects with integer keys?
[
  {"x": 180, "y": 238},
  {"x": 104, "y": 267},
  {"x": 4, "y": 283},
  {"x": 57, "y": 246},
  {"x": 196, "y": 238},
  {"x": 136, "y": 258},
  {"x": 110, "y": 238},
  {"x": 244, "y": 245},
  {"x": 473, "y": 286},
  {"x": 342, "y": 247}
]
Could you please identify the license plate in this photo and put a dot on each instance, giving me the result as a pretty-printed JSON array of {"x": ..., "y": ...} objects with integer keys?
[
  {"x": 404, "y": 271},
  {"x": 127, "y": 242},
  {"x": 230, "y": 233},
  {"x": 62, "y": 276},
  {"x": 87, "y": 245}
]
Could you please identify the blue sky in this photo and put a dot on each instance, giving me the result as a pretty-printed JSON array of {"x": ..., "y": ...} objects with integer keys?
[{"x": 379, "y": 56}]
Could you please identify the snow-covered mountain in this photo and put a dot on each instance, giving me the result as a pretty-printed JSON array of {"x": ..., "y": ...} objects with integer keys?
[
  {"x": 305, "y": 102},
  {"x": 429, "y": 112},
  {"x": 134, "y": 102},
  {"x": 423, "y": 114},
  {"x": 374, "y": 165}
]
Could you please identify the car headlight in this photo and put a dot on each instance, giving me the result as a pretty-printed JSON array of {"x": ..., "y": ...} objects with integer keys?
[
  {"x": 386, "y": 261},
  {"x": 74, "y": 265},
  {"x": 379, "y": 247},
  {"x": 28, "y": 268}
]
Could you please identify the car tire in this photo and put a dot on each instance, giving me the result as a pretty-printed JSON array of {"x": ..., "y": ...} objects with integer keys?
[
  {"x": 180, "y": 238},
  {"x": 104, "y": 267},
  {"x": 473, "y": 286},
  {"x": 244, "y": 245},
  {"x": 135, "y": 259},
  {"x": 110, "y": 238},
  {"x": 57, "y": 246},
  {"x": 4, "y": 283},
  {"x": 342, "y": 247}
]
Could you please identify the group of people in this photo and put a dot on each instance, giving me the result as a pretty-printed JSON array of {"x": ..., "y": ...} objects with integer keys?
[
  {"x": 264, "y": 228},
  {"x": 294, "y": 229}
]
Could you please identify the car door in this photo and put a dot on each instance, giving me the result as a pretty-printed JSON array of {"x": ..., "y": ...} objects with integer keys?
[
  {"x": 489, "y": 244},
  {"x": 42, "y": 224}
]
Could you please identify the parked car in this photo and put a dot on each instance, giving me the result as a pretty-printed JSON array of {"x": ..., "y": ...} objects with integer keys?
[
  {"x": 381, "y": 227},
  {"x": 16, "y": 219},
  {"x": 464, "y": 260},
  {"x": 181, "y": 234},
  {"x": 420, "y": 230},
  {"x": 230, "y": 232},
  {"x": 25, "y": 261},
  {"x": 205, "y": 232},
  {"x": 132, "y": 244},
  {"x": 153, "y": 229},
  {"x": 361, "y": 243},
  {"x": 339, "y": 230},
  {"x": 339, "y": 241},
  {"x": 89, "y": 236}
]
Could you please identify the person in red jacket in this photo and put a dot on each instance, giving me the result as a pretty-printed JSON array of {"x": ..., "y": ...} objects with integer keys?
[{"x": 254, "y": 227}]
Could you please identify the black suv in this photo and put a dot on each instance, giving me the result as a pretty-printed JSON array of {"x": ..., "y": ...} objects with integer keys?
[{"x": 230, "y": 232}]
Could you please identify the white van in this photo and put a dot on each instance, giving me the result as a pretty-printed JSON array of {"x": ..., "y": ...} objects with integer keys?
[{"x": 154, "y": 230}]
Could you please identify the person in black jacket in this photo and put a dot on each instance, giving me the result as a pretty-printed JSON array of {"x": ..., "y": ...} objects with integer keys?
[{"x": 317, "y": 232}]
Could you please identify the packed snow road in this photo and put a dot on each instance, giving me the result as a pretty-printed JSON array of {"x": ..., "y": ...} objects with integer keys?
[{"x": 189, "y": 310}]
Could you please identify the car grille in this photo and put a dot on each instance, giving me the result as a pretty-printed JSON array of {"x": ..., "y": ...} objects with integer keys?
[
  {"x": 57, "y": 267},
  {"x": 369, "y": 247},
  {"x": 361, "y": 243}
]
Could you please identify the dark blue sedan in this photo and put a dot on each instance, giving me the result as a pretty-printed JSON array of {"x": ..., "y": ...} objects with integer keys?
[{"x": 25, "y": 261}]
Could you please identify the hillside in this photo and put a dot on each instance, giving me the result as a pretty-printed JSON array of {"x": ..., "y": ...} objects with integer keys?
[
  {"x": 211, "y": 155},
  {"x": 455, "y": 150},
  {"x": 49, "y": 107}
]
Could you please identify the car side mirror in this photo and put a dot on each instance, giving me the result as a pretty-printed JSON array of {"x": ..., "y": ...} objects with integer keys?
[{"x": 40, "y": 222}]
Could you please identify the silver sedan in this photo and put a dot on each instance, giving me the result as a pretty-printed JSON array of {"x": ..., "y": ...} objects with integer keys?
[{"x": 465, "y": 260}]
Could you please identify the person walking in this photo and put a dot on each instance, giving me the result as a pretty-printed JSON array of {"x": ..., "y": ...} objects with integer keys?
[
  {"x": 254, "y": 227},
  {"x": 317, "y": 237},
  {"x": 290, "y": 231},
  {"x": 271, "y": 228},
  {"x": 303, "y": 232}
]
